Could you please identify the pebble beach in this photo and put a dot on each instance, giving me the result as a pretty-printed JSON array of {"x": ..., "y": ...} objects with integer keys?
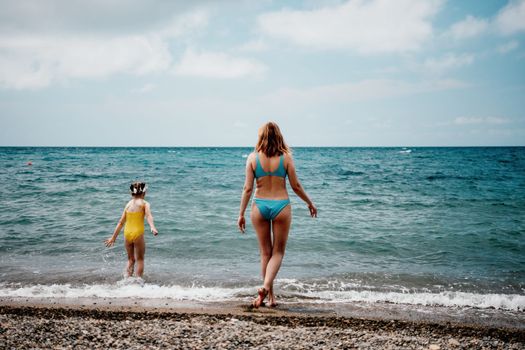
[{"x": 66, "y": 327}]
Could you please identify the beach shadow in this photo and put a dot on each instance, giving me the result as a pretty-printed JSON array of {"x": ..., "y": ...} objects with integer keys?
[{"x": 263, "y": 309}]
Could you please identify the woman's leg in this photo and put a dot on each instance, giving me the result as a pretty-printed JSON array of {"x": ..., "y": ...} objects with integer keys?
[
  {"x": 263, "y": 229},
  {"x": 130, "y": 249},
  {"x": 280, "y": 227},
  {"x": 140, "y": 250}
]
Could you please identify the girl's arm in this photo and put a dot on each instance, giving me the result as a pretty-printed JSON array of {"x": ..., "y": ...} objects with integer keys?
[
  {"x": 246, "y": 193},
  {"x": 110, "y": 241},
  {"x": 297, "y": 188},
  {"x": 149, "y": 218}
]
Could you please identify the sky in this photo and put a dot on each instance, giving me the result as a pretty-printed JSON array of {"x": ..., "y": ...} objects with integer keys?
[{"x": 210, "y": 73}]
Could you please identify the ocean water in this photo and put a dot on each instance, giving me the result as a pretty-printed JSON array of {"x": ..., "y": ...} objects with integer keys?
[{"x": 431, "y": 226}]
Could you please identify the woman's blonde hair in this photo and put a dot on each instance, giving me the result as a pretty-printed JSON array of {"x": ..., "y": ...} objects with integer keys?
[{"x": 271, "y": 141}]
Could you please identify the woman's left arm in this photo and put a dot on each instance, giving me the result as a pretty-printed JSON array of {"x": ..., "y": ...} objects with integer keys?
[
  {"x": 297, "y": 187},
  {"x": 246, "y": 193}
]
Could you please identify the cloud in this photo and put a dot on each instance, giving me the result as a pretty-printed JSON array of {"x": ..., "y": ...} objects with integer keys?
[
  {"x": 508, "y": 47},
  {"x": 368, "y": 27},
  {"x": 217, "y": 65},
  {"x": 469, "y": 27},
  {"x": 445, "y": 63},
  {"x": 511, "y": 19},
  {"x": 145, "y": 89},
  {"x": 254, "y": 46},
  {"x": 480, "y": 120},
  {"x": 372, "y": 89},
  {"x": 36, "y": 60},
  {"x": 95, "y": 16},
  {"x": 240, "y": 125},
  {"x": 184, "y": 24}
]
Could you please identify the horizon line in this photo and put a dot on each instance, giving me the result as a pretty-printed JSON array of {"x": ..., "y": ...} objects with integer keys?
[{"x": 302, "y": 146}]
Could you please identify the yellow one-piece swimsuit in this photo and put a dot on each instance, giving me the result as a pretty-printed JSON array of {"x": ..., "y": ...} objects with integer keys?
[{"x": 134, "y": 227}]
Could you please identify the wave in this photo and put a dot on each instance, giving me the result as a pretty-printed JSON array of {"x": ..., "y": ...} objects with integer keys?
[
  {"x": 514, "y": 302},
  {"x": 343, "y": 172},
  {"x": 138, "y": 289},
  {"x": 124, "y": 290},
  {"x": 441, "y": 176}
]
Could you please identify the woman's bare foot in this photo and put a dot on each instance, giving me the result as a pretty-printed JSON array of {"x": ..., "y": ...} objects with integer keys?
[
  {"x": 272, "y": 302},
  {"x": 257, "y": 302},
  {"x": 271, "y": 298}
]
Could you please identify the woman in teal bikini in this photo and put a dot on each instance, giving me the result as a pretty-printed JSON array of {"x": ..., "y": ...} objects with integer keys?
[{"x": 269, "y": 165}]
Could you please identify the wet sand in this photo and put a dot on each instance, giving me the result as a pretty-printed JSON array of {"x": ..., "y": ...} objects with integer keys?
[{"x": 98, "y": 323}]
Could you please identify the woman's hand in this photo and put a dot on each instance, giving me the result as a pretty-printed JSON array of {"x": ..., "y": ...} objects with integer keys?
[
  {"x": 154, "y": 231},
  {"x": 313, "y": 210},
  {"x": 109, "y": 242},
  {"x": 241, "y": 222}
]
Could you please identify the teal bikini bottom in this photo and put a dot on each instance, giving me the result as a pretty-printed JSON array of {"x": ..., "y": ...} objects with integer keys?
[{"x": 270, "y": 208}]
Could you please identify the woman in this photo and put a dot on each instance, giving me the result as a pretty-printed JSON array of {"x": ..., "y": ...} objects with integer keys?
[{"x": 271, "y": 210}]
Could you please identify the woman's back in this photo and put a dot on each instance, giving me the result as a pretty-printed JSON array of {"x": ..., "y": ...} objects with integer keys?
[{"x": 270, "y": 174}]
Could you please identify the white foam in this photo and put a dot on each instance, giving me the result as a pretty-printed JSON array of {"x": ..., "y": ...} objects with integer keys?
[
  {"x": 131, "y": 289},
  {"x": 137, "y": 289},
  {"x": 514, "y": 302},
  {"x": 130, "y": 281},
  {"x": 356, "y": 291}
]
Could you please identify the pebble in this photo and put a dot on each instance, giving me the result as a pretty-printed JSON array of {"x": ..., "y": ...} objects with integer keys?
[
  {"x": 453, "y": 342},
  {"x": 120, "y": 330}
]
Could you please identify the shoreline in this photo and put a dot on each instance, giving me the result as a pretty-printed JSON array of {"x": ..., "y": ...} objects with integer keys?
[
  {"x": 231, "y": 324},
  {"x": 468, "y": 316}
]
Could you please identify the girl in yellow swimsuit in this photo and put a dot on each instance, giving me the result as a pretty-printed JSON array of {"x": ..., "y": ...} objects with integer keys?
[{"x": 133, "y": 221}]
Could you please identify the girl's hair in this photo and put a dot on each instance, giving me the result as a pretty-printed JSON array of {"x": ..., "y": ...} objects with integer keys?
[
  {"x": 137, "y": 188},
  {"x": 271, "y": 141}
]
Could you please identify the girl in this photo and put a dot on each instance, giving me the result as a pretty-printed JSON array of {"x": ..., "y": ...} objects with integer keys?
[
  {"x": 133, "y": 218},
  {"x": 271, "y": 213}
]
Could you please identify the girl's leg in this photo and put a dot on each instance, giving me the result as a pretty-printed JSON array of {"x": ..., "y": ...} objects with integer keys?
[
  {"x": 263, "y": 229},
  {"x": 140, "y": 250},
  {"x": 280, "y": 228},
  {"x": 130, "y": 249}
]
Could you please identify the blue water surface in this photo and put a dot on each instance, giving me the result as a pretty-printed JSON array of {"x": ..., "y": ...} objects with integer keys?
[{"x": 389, "y": 218}]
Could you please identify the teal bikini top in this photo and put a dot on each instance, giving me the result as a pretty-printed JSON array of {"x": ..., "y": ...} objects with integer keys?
[{"x": 259, "y": 171}]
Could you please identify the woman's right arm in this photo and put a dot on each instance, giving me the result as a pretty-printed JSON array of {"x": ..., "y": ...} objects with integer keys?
[
  {"x": 246, "y": 193},
  {"x": 297, "y": 188}
]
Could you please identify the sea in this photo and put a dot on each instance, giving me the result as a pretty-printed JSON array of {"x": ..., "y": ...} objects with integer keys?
[{"x": 438, "y": 226}]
